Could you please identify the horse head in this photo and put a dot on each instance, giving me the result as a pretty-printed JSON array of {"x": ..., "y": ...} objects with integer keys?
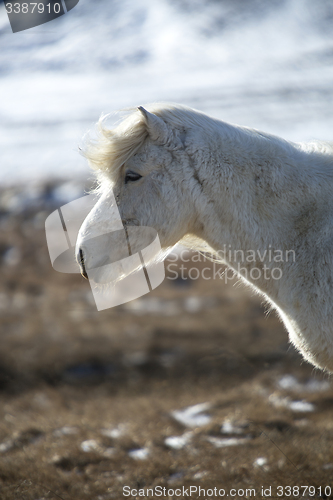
[{"x": 142, "y": 167}]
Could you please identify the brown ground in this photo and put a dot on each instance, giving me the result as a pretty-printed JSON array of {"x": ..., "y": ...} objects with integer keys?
[{"x": 71, "y": 376}]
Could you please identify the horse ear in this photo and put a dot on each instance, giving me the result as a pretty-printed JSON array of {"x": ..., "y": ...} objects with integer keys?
[{"x": 157, "y": 129}]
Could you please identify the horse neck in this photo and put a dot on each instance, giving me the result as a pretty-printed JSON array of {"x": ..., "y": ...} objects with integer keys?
[{"x": 255, "y": 187}]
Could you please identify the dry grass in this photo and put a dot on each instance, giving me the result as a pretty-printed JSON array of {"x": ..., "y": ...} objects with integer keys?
[{"x": 71, "y": 375}]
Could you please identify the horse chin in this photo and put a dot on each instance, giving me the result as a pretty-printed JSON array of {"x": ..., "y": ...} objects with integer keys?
[{"x": 107, "y": 274}]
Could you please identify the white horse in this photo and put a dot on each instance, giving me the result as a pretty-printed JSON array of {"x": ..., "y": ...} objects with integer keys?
[{"x": 207, "y": 184}]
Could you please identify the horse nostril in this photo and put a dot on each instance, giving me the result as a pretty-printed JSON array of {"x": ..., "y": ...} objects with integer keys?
[{"x": 81, "y": 263}]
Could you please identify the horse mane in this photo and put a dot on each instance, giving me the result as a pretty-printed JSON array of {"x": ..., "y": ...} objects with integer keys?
[
  {"x": 315, "y": 146},
  {"x": 113, "y": 147}
]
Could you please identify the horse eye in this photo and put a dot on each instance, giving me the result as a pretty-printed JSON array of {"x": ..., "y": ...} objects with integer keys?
[{"x": 131, "y": 177}]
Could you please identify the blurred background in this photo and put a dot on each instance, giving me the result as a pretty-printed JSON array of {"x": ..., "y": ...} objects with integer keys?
[
  {"x": 262, "y": 64},
  {"x": 193, "y": 384}
]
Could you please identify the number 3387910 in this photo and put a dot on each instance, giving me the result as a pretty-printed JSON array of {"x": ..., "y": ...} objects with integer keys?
[{"x": 31, "y": 8}]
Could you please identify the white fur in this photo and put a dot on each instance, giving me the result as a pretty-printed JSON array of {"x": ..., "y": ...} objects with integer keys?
[{"x": 209, "y": 184}]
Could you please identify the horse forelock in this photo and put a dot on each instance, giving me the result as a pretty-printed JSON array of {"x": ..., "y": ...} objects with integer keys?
[{"x": 111, "y": 148}]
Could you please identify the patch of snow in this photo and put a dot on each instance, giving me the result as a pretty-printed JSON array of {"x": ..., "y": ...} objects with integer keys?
[
  {"x": 301, "y": 406},
  {"x": 260, "y": 462},
  {"x": 224, "y": 442},
  {"x": 90, "y": 445},
  {"x": 139, "y": 454},
  {"x": 229, "y": 427},
  {"x": 297, "y": 406},
  {"x": 178, "y": 442},
  {"x": 193, "y": 416},
  {"x": 6, "y": 446},
  {"x": 289, "y": 382},
  {"x": 65, "y": 431},
  {"x": 200, "y": 475},
  {"x": 115, "y": 432}
]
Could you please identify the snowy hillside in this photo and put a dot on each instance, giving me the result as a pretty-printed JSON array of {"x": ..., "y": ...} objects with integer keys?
[{"x": 263, "y": 64}]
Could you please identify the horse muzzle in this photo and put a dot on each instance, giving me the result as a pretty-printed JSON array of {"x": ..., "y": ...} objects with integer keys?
[{"x": 80, "y": 261}]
